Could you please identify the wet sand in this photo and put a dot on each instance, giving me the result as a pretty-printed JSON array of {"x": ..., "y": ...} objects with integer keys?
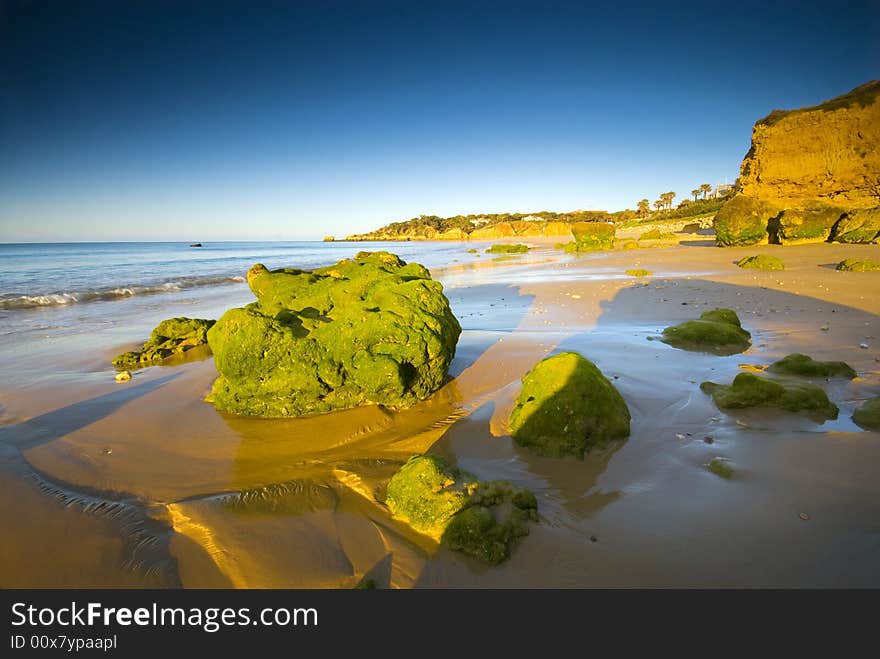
[{"x": 143, "y": 484}]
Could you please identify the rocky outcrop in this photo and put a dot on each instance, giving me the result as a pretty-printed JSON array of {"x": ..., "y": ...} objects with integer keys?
[
  {"x": 591, "y": 236},
  {"x": 749, "y": 390},
  {"x": 808, "y": 171},
  {"x": 368, "y": 330},
  {"x": 171, "y": 337},
  {"x": 718, "y": 331}
]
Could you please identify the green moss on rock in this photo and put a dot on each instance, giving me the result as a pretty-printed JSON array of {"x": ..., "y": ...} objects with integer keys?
[
  {"x": 749, "y": 390},
  {"x": 504, "y": 248},
  {"x": 173, "y": 336},
  {"x": 482, "y": 519},
  {"x": 591, "y": 236},
  {"x": 639, "y": 272},
  {"x": 798, "y": 364},
  {"x": 368, "y": 330},
  {"x": 810, "y": 224},
  {"x": 566, "y": 407},
  {"x": 761, "y": 262},
  {"x": 858, "y": 226},
  {"x": 656, "y": 234},
  {"x": 718, "y": 331},
  {"x": 720, "y": 468},
  {"x": 867, "y": 415},
  {"x": 743, "y": 221},
  {"x": 858, "y": 265}
]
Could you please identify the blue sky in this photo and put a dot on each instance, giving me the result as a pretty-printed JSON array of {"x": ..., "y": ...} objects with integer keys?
[{"x": 259, "y": 121}]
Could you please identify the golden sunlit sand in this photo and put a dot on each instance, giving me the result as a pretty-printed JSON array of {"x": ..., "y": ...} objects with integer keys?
[{"x": 160, "y": 489}]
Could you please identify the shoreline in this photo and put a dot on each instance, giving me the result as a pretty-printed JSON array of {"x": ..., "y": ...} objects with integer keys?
[{"x": 295, "y": 502}]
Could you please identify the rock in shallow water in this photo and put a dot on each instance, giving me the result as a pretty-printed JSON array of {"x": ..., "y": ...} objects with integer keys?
[
  {"x": 370, "y": 330},
  {"x": 798, "y": 364},
  {"x": 482, "y": 519},
  {"x": 868, "y": 414},
  {"x": 748, "y": 390},
  {"x": 566, "y": 407},
  {"x": 170, "y": 337},
  {"x": 761, "y": 262},
  {"x": 718, "y": 331}
]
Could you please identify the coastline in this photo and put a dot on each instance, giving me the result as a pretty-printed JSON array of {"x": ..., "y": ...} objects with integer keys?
[{"x": 216, "y": 500}]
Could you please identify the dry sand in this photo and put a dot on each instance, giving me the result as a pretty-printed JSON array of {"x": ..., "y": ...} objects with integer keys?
[{"x": 144, "y": 484}]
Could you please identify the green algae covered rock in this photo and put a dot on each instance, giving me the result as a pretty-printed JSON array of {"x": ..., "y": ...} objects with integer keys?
[
  {"x": 798, "y": 364},
  {"x": 867, "y": 415},
  {"x": 810, "y": 224},
  {"x": 761, "y": 262},
  {"x": 656, "y": 234},
  {"x": 718, "y": 331},
  {"x": 858, "y": 265},
  {"x": 482, "y": 519},
  {"x": 749, "y": 390},
  {"x": 859, "y": 226},
  {"x": 639, "y": 272},
  {"x": 743, "y": 221},
  {"x": 503, "y": 248},
  {"x": 170, "y": 337},
  {"x": 566, "y": 407},
  {"x": 369, "y": 330},
  {"x": 591, "y": 236},
  {"x": 720, "y": 468}
]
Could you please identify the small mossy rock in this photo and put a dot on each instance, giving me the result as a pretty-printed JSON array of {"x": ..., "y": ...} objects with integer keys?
[
  {"x": 566, "y": 407},
  {"x": 590, "y": 236},
  {"x": 749, "y": 390},
  {"x": 718, "y": 331},
  {"x": 858, "y": 226},
  {"x": 519, "y": 248},
  {"x": 798, "y": 364},
  {"x": 482, "y": 519},
  {"x": 631, "y": 244},
  {"x": 761, "y": 262},
  {"x": 743, "y": 221},
  {"x": 368, "y": 330},
  {"x": 810, "y": 224},
  {"x": 867, "y": 415},
  {"x": 720, "y": 468},
  {"x": 170, "y": 337},
  {"x": 858, "y": 265},
  {"x": 639, "y": 272}
]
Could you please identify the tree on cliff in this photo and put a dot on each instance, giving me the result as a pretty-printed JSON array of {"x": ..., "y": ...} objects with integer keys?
[
  {"x": 705, "y": 188},
  {"x": 696, "y": 192},
  {"x": 644, "y": 207},
  {"x": 667, "y": 198},
  {"x": 659, "y": 203}
]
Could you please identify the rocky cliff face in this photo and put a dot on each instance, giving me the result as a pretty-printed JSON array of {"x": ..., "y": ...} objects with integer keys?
[
  {"x": 520, "y": 229},
  {"x": 808, "y": 168}
]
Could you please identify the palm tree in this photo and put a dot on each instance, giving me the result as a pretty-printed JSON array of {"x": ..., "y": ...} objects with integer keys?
[
  {"x": 644, "y": 207},
  {"x": 705, "y": 188},
  {"x": 696, "y": 192},
  {"x": 659, "y": 204},
  {"x": 667, "y": 198}
]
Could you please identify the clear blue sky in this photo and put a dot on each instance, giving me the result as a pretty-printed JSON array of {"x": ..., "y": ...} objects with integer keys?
[{"x": 208, "y": 120}]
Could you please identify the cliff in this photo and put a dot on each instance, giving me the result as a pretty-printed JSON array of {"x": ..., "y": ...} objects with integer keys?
[
  {"x": 514, "y": 229},
  {"x": 806, "y": 171}
]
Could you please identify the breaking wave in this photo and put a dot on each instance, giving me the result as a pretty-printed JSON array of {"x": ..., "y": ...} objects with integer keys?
[{"x": 23, "y": 301}]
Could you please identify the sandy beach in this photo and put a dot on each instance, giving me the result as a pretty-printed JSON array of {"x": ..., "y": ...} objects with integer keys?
[{"x": 144, "y": 484}]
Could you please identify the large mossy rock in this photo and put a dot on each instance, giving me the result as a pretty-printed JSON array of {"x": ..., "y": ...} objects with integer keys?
[
  {"x": 810, "y": 224},
  {"x": 858, "y": 265},
  {"x": 566, "y": 407},
  {"x": 171, "y": 337},
  {"x": 506, "y": 248},
  {"x": 591, "y": 236},
  {"x": 761, "y": 262},
  {"x": 867, "y": 415},
  {"x": 482, "y": 519},
  {"x": 370, "y": 330},
  {"x": 749, "y": 390},
  {"x": 718, "y": 331},
  {"x": 743, "y": 221},
  {"x": 804, "y": 366},
  {"x": 859, "y": 226}
]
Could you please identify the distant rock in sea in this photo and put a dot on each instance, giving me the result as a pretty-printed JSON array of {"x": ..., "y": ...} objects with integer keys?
[
  {"x": 811, "y": 175},
  {"x": 195, "y": 244}
]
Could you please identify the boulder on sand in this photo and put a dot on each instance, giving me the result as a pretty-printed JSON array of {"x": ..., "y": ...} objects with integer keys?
[
  {"x": 749, "y": 390},
  {"x": 718, "y": 331},
  {"x": 170, "y": 337},
  {"x": 368, "y": 330}
]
